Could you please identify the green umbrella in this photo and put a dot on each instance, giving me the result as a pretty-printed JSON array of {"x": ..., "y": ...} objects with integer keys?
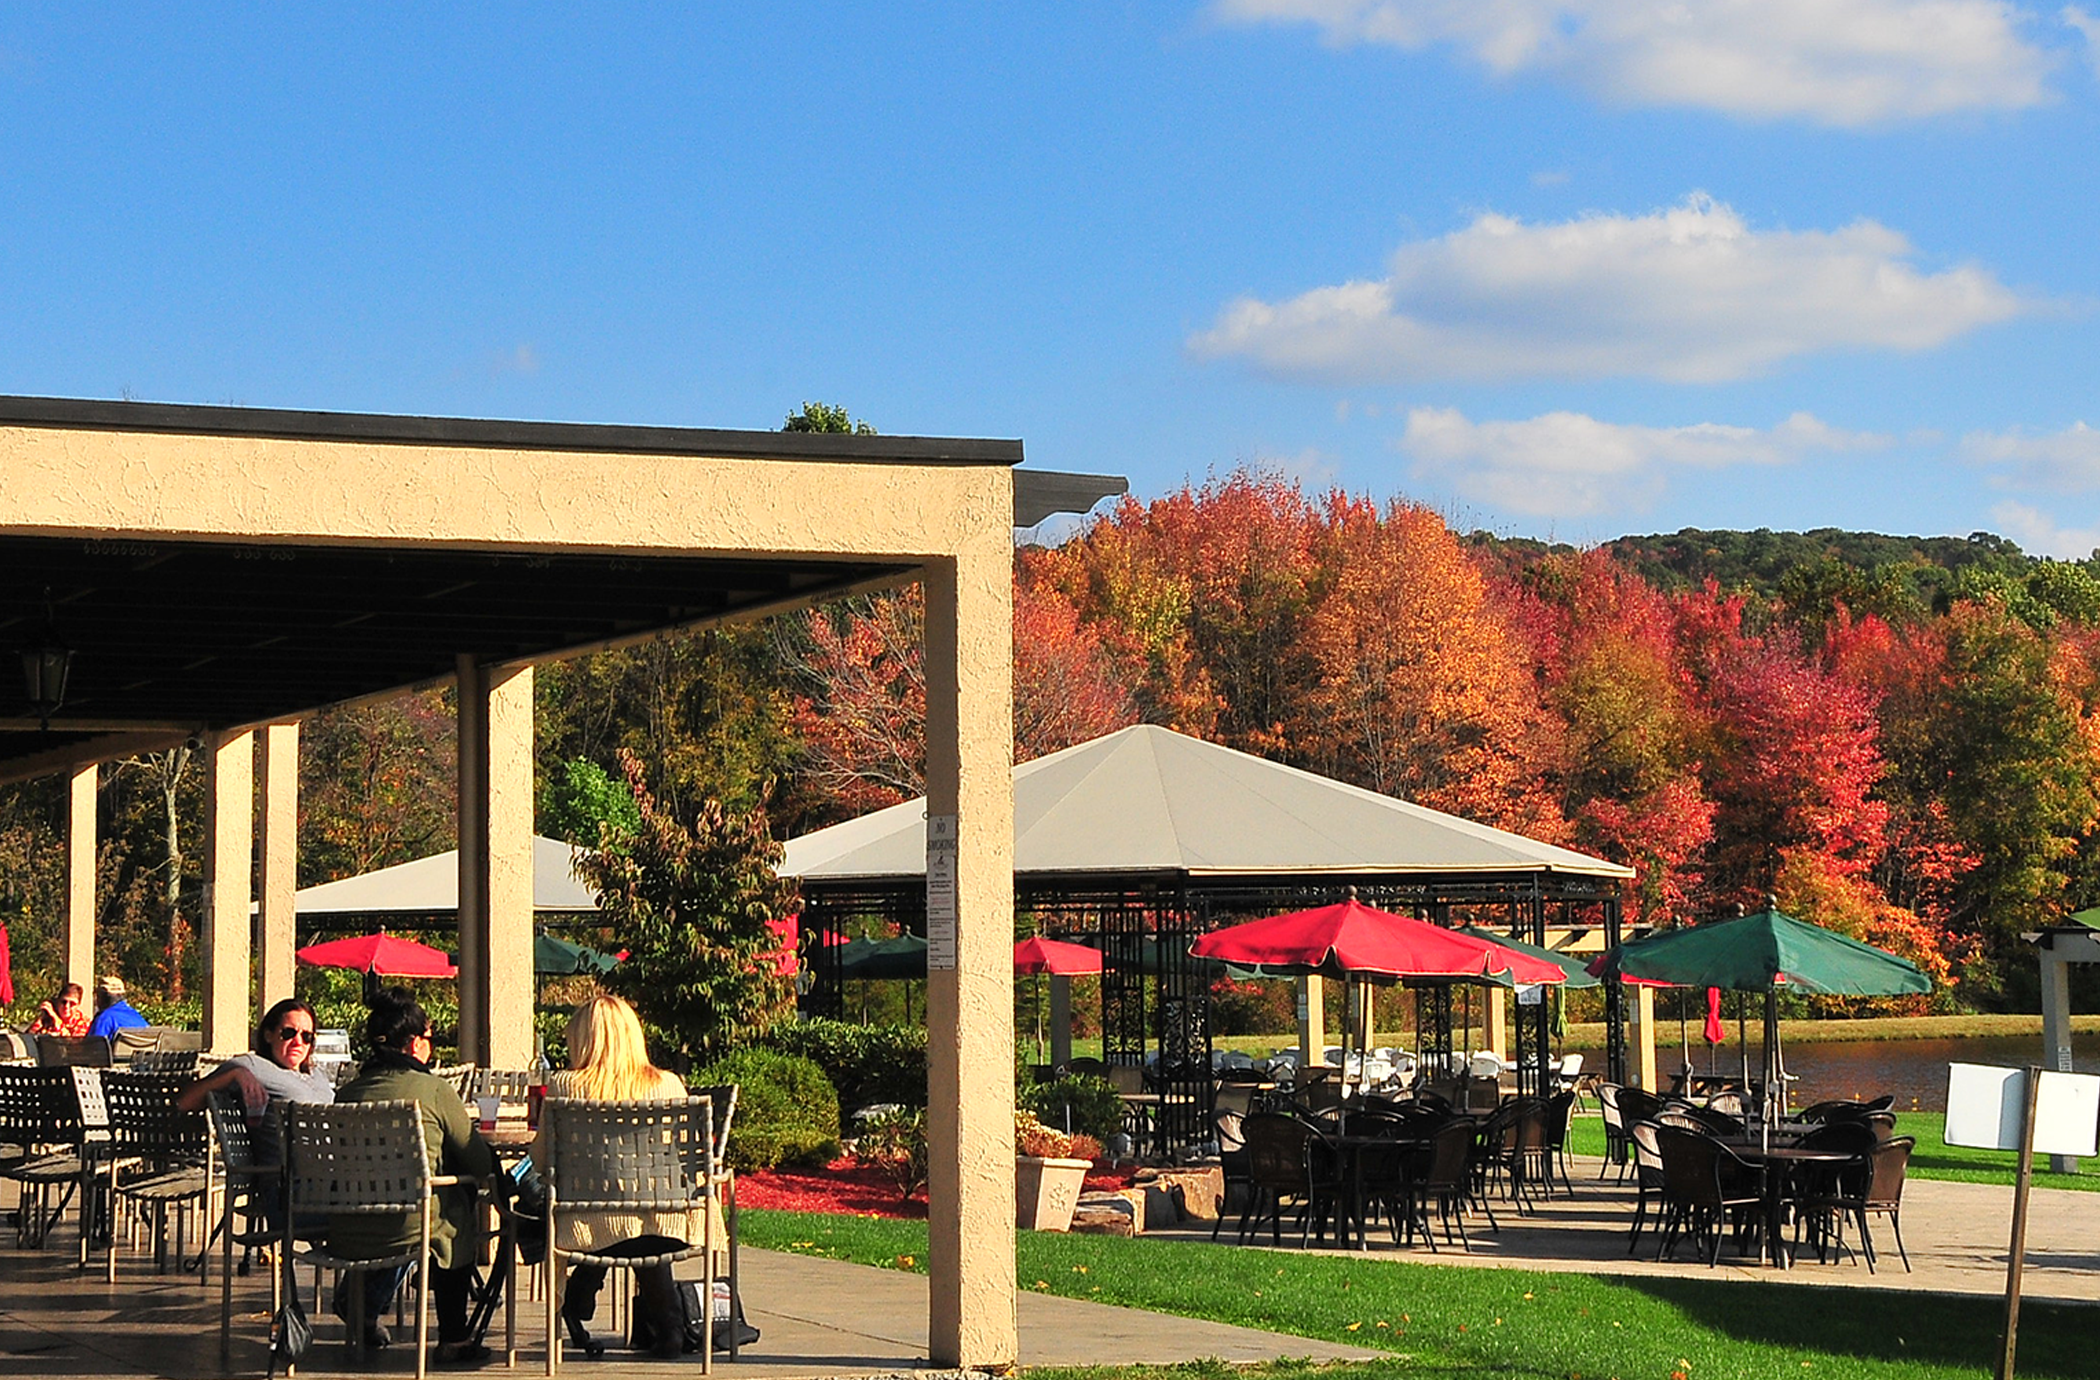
[
  {"x": 884, "y": 959},
  {"x": 1578, "y": 969},
  {"x": 557, "y": 957},
  {"x": 1769, "y": 952}
]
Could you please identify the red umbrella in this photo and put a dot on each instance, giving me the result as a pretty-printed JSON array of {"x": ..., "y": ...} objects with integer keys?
[
  {"x": 380, "y": 954},
  {"x": 1058, "y": 959},
  {"x": 1353, "y": 938},
  {"x": 7, "y": 976},
  {"x": 1715, "y": 1031}
]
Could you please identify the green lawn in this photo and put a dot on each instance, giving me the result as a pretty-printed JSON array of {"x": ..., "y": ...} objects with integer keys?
[
  {"x": 1449, "y": 1323},
  {"x": 1932, "y": 1159}
]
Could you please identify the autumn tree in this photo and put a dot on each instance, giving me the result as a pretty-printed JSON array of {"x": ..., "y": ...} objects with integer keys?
[
  {"x": 377, "y": 785},
  {"x": 691, "y": 901},
  {"x": 1416, "y": 685},
  {"x": 1069, "y": 686}
]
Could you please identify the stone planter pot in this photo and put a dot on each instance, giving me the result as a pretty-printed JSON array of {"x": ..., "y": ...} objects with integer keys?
[{"x": 1046, "y": 1189}]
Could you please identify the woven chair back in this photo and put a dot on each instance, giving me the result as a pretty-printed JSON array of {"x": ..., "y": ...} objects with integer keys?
[
  {"x": 172, "y": 1064},
  {"x": 1608, "y": 1105},
  {"x": 723, "y": 1097},
  {"x": 238, "y": 1149},
  {"x": 56, "y": 1051},
  {"x": 1450, "y": 1149},
  {"x": 1559, "y": 1109},
  {"x": 644, "y": 1154},
  {"x": 1647, "y": 1154},
  {"x": 1688, "y": 1164},
  {"x": 511, "y": 1086},
  {"x": 144, "y": 1120},
  {"x": 1275, "y": 1150},
  {"x": 355, "y": 1158},
  {"x": 1889, "y": 1161},
  {"x": 37, "y": 1107}
]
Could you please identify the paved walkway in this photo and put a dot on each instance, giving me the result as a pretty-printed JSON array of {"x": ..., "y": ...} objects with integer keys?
[
  {"x": 1956, "y": 1234},
  {"x": 824, "y": 1319},
  {"x": 820, "y": 1319}
]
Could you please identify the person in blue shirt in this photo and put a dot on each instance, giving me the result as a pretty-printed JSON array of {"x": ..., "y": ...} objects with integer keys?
[{"x": 112, "y": 1012}]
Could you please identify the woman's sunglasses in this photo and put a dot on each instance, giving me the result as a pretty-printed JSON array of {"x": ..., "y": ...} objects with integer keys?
[{"x": 288, "y": 1034}]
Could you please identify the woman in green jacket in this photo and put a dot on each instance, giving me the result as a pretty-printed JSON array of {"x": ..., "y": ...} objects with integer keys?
[{"x": 399, "y": 1070}]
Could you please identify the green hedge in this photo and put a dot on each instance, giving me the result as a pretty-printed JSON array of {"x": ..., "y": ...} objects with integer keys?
[
  {"x": 866, "y": 1064},
  {"x": 1097, "y": 1110},
  {"x": 787, "y": 1113}
]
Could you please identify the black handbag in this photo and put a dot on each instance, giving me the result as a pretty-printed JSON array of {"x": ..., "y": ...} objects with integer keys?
[
  {"x": 291, "y": 1334},
  {"x": 693, "y": 1310}
]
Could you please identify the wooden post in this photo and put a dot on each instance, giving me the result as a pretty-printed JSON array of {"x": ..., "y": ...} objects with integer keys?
[{"x": 2016, "y": 1253}]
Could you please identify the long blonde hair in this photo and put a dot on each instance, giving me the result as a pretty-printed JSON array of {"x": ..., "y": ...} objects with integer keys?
[{"x": 607, "y": 1059}]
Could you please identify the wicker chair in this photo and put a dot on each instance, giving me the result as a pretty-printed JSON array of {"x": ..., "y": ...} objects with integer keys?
[
  {"x": 1277, "y": 1173},
  {"x": 1874, "y": 1186},
  {"x": 251, "y": 1180},
  {"x": 633, "y": 1157},
  {"x": 1615, "y": 1139},
  {"x": 1647, "y": 1175},
  {"x": 1444, "y": 1179},
  {"x": 1560, "y": 1110},
  {"x": 56, "y": 1117},
  {"x": 358, "y": 1159},
  {"x": 163, "y": 1149},
  {"x": 723, "y": 1096},
  {"x": 1706, "y": 1186}
]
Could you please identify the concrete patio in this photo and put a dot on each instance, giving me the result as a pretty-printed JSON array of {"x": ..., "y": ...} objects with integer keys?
[{"x": 822, "y": 1319}]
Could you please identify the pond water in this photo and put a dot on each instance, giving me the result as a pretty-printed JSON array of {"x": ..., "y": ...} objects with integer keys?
[{"x": 1915, "y": 1071}]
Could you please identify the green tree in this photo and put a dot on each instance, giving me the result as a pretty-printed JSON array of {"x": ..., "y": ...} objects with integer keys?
[
  {"x": 582, "y": 798},
  {"x": 825, "y": 418},
  {"x": 691, "y": 904}
]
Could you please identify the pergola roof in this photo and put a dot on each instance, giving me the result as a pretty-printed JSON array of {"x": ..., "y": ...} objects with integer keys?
[
  {"x": 178, "y": 636},
  {"x": 429, "y": 888},
  {"x": 1146, "y": 801}
]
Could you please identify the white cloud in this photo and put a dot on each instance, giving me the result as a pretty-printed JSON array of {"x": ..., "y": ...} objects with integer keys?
[
  {"x": 1570, "y": 464},
  {"x": 2066, "y": 461},
  {"x": 1840, "y": 62},
  {"x": 1691, "y": 294},
  {"x": 2088, "y": 29},
  {"x": 2038, "y": 533}
]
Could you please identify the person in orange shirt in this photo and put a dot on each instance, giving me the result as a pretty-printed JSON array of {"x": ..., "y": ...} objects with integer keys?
[{"x": 64, "y": 1017}]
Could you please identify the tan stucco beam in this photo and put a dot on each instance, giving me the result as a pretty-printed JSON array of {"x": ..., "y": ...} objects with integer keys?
[
  {"x": 98, "y": 750},
  {"x": 175, "y": 486}
]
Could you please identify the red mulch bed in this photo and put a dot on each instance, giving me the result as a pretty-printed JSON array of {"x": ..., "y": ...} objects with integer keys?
[{"x": 847, "y": 1187}]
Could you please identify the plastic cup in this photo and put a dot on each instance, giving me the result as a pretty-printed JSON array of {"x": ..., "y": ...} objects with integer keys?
[{"x": 488, "y": 1104}]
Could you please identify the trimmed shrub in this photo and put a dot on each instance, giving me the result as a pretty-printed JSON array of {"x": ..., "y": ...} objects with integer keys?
[
  {"x": 1097, "y": 1111},
  {"x": 787, "y": 1113},
  {"x": 895, "y": 1142},
  {"x": 866, "y": 1064}
]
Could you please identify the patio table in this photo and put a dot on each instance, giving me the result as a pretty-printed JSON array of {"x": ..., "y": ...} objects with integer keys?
[{"x": 1781, "y": 1163}]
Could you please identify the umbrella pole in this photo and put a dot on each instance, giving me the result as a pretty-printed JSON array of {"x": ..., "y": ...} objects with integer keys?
[
  {"x": 1775, "y": 1087},
  {"x": 1684, "y": 1043}
]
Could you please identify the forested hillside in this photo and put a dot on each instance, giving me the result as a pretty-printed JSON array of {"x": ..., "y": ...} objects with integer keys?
[{"x": 1897, "y": 737}]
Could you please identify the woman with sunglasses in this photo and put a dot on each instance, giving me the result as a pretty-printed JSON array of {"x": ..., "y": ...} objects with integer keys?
[{"x": 281, "y": 1066}]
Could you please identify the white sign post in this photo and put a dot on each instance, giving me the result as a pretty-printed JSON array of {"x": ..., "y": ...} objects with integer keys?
[
  {"x": 2025, "y": 1110},
  {"x": 940, "y": 894}
]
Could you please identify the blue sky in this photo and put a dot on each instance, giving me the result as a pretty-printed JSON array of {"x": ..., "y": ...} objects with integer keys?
[{"x": 1569, "y": 268}]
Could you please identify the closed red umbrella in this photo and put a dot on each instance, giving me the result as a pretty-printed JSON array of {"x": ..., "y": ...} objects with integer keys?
[
  {"x": 1715, "y": 1031},
  {"x": 380, "y": 954},
  {"x": 7, "y": 976},
  {"x": 1056, "y": 958}
]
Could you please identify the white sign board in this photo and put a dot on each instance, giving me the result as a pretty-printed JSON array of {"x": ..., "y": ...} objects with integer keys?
[
  {"x": 1530, "y": 994},
  {"x": 1985, "y": 1103},
  {"x": 940, "y": 894}
]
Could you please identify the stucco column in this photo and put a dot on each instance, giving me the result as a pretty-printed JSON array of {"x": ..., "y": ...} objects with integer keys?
[
  {"x": 495, "y": 865},
  {"x": 507, "y": 957},
  {"x": 1644, "y": 1038},
  {"x": 1312, "y": 1020},
  {"x": 229, "y": 855},
  {"x": 969, "y": 1004},
  {"x": 471, "y": 734},
  {"x": 1497, "y": 1023},
  {"x": 1060, "y": 1020},
  {"x": 2056, "y": 1027},
  {"x": 80, "y": 877},
  {"x": 277, "y": 941}
]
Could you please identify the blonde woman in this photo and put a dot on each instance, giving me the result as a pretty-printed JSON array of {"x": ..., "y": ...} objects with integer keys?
[{"x": 608, "y": 1061}]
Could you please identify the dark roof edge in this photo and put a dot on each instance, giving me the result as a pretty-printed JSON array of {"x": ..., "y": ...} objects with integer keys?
[{"x": 498, "y": 432}]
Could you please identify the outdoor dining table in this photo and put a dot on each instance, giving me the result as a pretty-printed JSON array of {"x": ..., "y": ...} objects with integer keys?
[{"x": 1781, "y": 1163}]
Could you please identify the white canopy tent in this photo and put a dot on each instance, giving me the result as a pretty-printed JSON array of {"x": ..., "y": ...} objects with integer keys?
[
  {"x": 430, "y": 887},
  {"x": 1147, "y": 800}
]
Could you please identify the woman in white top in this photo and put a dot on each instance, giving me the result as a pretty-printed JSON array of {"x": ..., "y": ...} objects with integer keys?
[{"x": 281, "y": 1066}]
